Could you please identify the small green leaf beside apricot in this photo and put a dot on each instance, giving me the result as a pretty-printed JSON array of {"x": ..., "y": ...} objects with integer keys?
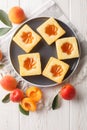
[
  {"x": 55, "y": 102},
  {"x": 4, "y": 31},
  {"x": 4, "y": 18},
  {"x": 23, "y": 111},
  {"x": 6, "y": 99}
]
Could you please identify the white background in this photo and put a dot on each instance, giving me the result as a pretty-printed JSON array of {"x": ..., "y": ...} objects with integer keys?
[{"x": 72, "y": 115}]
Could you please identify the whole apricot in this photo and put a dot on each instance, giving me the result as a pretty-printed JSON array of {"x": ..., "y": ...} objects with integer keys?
[
  {"x": 68, "y": 92},
  {"x": 17, "y": 95},
  {"x": 28, "y": 105},
  {"x": 34, "y": 93},
  {"x": 16, "y": 15},
  {"x": 8, "y": 82}
]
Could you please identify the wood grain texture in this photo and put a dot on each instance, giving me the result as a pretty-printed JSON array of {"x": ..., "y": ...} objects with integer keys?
[
  {"x": 64, "y": 4},
  {"x": 31, "y": 6},
  {"x": 12, "y": 4},
  {"x": 9, "y": 114},
  {"x": 3, "y": 5},
  {"x": 78, "y": 15},
  {"x": 78, "y": 108}
]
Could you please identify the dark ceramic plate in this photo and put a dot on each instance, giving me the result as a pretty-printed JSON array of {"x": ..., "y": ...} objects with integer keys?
[{"x": 45, "y": 51}]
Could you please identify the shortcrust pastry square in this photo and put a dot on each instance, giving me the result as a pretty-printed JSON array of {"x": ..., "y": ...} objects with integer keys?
[
  {"x": 55, "y": 70},
  {"x": 29, "y": 64},
  {"x": 67, "y": 48},
  {"x": 26, "y": 38},
  {"x": 50, "y": 30}
]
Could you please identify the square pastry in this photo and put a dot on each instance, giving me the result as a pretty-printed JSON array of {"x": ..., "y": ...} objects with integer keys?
[
  {"x": 26, "y": 38},
  {"x": 50, "y": 30},
  {"x": 29, "y": 64},
  {"x": 55, "y": 70},
  {"x": 67, "y": 48}
]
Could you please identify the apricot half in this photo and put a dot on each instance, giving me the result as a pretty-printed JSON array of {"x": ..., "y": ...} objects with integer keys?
[
  {"x": 16, "y": 15},
  {"x": 8, "y": 82},
  {"x": 34, "y": 93},
  {"x": 28, "y": 105}
]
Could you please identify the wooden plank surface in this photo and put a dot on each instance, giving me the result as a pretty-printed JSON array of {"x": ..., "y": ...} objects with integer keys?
[
  {"x": 78, "y": 15},
  {"x": 65, "y": 6},
  {"x": 78, "y": 108},
  {"x": 9, "y": 113}
]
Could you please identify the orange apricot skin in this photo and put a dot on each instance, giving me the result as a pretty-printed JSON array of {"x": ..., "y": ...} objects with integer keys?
[
  {"x": 34, "y": 93},
  {"x": 8, "y": 82},
  {"x": 28, "y": 105},
  {"x": 16, "y": 15}
]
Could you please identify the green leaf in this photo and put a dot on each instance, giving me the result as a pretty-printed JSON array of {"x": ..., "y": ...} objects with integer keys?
[
  {"x": 1, "y": 66},
  {"x": 6, "y": 99},
  {"x": 23, "y": 111},
  {"x": 4, "y": 18},
  {"x": 4, "y": 31},
  {"x": 55, "y": 102}
]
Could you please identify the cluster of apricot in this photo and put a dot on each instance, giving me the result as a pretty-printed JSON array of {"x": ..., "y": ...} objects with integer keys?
[
  {"x": 33, "y": 95},
  {"x": 27, "y": 100}
]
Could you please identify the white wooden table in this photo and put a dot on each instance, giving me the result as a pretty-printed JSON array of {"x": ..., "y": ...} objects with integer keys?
[{"x": 72, "y": 115}]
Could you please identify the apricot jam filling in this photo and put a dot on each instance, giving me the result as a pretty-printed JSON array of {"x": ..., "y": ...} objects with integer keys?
[
  {"x": 67, "y": 48},
  {"x": 51, "y": 30},
  {"x": 27, "y": 37},
  {"x": 29, "y": 63},
  {"x": 56, "y": 70}
]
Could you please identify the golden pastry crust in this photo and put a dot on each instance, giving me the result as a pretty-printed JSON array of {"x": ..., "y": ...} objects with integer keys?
[
  {"x": 67, "y": 48},
  {"x": 58, "y": 72},
  {"x": 29, "y": 64},
  {"x": 26, "y": 38},
  {"x": 58, "y": 30}
]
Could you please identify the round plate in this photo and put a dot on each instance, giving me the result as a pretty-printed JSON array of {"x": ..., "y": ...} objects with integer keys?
[{"x": 45, "y": 51}]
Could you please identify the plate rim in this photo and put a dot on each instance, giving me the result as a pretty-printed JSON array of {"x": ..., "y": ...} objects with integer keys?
[{"x": 51, "y": 85}]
